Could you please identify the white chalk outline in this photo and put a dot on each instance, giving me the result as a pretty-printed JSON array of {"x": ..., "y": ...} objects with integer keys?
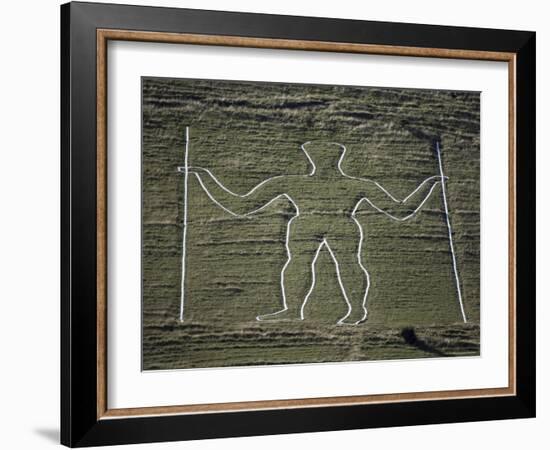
[
  {"x": 184, "y": 232},
  {"x": 324, "y": 242},
  {"x": 450, "y": 232}
]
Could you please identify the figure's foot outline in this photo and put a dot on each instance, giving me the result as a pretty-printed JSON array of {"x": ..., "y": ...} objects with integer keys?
[
  {"x": 353, "y": 317},
  {"x": 282, "y": 315}
]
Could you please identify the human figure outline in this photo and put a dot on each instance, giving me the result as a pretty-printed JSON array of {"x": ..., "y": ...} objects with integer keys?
[{"x": 315, "y": 226}]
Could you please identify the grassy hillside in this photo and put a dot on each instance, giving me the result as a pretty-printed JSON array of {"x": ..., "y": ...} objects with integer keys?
[{"x": 246, "y": 132}]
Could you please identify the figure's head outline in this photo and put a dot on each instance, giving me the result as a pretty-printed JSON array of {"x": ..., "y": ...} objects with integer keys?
[{"x": 340, "y": 147}]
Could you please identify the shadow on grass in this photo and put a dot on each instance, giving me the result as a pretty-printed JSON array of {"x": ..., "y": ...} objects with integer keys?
[{"x": 409, "y": 335}]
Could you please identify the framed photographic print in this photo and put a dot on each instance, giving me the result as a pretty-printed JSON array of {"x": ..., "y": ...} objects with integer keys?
[{"x": 276, "y": 224}]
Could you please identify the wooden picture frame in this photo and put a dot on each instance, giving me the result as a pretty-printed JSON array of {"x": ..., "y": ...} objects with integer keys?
[{"x": 86, "y": 418}]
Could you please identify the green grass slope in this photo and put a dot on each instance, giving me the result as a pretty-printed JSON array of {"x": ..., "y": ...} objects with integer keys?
[{"x": 245, "y": 132}]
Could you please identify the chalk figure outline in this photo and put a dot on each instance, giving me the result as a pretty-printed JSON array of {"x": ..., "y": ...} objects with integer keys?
[{"x": 205, "y": 176}]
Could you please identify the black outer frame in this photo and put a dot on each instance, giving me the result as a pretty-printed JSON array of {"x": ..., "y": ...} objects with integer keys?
[{"x": 79, "y": 423}]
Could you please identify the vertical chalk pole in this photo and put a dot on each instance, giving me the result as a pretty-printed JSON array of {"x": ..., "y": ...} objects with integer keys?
[
  {"x": 450, "y": 231},
  {"x": 184, "y": 232}
]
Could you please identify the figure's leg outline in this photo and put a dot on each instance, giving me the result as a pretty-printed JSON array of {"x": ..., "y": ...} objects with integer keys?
[
  {"x": 288, "y": 261},
  {"x": 297, "y": 278},
  {"x": 340, "y": 282},
  {"x": 346, "y": 252},
  {"x": 365, "y": 271},
  {"x": 282, "y": 277},
  {"x": 304, "y": 303}
]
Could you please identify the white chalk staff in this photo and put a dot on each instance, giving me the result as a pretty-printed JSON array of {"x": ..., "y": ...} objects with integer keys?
[
  {"x": 450, "y": 231},
  {"x": 185, "y": 170}
]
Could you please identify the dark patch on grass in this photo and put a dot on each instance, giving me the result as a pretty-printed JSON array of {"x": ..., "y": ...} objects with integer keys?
[{"x": 410, "y": 338}]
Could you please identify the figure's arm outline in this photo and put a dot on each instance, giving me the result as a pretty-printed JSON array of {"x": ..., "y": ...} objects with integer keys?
[
  {"x": 229, "y": 191},
  {"x": 391, "y": 216},
  {"x": 378, "y": 185},
  {"x": 249, "y": 193},
  {"x": 385, "y": 191}
]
